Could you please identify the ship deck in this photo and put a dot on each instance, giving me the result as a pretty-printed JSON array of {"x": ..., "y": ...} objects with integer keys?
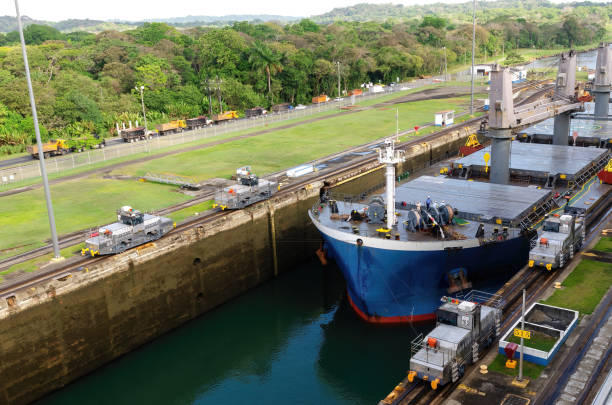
[
  {"x": 475, "y": 202},
  {"x": 478, "y": 201},
  {"x": 541, "y": 161},
  {"x": 590, "y": 132},
  {"x": 590, "y": 195}
]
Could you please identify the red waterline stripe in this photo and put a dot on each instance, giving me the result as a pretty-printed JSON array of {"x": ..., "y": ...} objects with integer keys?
[{"x": 390, "y": 319}]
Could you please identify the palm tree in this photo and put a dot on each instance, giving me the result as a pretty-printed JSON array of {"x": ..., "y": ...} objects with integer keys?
[{"x": 263, "y": 58}]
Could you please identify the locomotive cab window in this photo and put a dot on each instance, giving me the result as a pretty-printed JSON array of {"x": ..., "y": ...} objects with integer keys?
[{"x": 449, "y": 318}]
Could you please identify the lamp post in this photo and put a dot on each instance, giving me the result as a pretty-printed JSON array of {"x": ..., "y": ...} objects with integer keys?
[
  {"x": 41, "y": 157},
  {"x": 144, "y": 113},
  {"x": 445, "y": 66},
  {"x": 338, "y": 64},
  {"x": 473, "y": 50}
]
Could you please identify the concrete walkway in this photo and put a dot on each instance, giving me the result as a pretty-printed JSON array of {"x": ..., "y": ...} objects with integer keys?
[{"x": 587, "y": 366}]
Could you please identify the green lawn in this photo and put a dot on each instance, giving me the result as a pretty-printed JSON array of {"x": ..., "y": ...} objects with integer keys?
[
  {"x": 584, "y": 287},
  {"x": 530, "y": 370},
  {"x": 604, "y": 245},
  {"x": 285, "y": 148},
  {"x": 297, "y": 120},
  {"x": 92, "y": 201},
  {"x": 180, "y": 215},
  {"x": 34, "y": 264},
  {"x": 539, "y": 341},
  {"x": 78, "y": 204}
]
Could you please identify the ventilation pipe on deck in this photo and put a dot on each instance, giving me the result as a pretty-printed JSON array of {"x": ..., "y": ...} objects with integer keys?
[{"x": 390, "y": 157}]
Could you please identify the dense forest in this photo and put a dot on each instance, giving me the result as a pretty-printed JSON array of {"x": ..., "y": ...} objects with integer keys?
[{"x": 86, "y": 82}]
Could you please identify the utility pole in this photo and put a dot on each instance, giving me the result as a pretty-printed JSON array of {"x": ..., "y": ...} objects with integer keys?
[
  {"x": 143, "y": 108},
  {"x": 217, "y": 83},
  {"x": 473, "y": 50},
  {"x": 520, "y": 376},
  {"x": 209, "y": 96},
  {"x": 397, "y": 124},
  {"x": 338, "y": 64},
  {"x": 445, "y": 66},
  {"x": 41, "y": 157}
]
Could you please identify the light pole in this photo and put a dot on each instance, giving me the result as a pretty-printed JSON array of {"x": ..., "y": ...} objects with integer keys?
[
  {"x": 144, "y": 113},
  {"x": 338, "y": 64},
  {"x": 41, "y": 157},
  {"x": 445, "y": 66},
  {"x": 473, "y": 50}
]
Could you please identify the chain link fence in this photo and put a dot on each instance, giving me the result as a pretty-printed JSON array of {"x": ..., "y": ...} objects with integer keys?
[{"x": 12, "y": 176}]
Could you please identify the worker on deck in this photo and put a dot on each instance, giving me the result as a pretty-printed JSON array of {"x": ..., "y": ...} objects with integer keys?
[
  {"x": 480, "y": 232},
  {"x": 428, "y": 202}
]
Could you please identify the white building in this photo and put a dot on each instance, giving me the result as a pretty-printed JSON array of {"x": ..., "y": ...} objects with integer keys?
[{"x": 444, "y": 118}]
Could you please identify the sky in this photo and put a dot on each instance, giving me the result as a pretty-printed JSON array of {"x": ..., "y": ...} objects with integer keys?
[{"x": 137, "y": 10}]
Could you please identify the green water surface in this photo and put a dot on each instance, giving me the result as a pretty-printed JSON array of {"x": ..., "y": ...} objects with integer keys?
[{"x": 292, "y": 340}]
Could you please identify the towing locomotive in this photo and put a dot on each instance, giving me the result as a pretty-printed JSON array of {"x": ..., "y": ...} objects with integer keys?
[
  {"x": 249, "y": 190},
  {"x": 561, "y": 237},
  {"x": 463, "y": 327},
  {"x": 132, "y": 228}
]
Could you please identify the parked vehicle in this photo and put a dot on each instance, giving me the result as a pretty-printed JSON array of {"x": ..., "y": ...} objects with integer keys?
[
  {"x": 133, "y": 134},
  {"x": 198, "y": 122},
  {"x": 281, "y": 107},
  {"x": 320, "y": 99},
  {"x": 52, "y": 148},
  {"x": 57, "y": 147},
  {"x": 562, "y": 236},
  {"x": 226, "y": 116},
  {"x": 171, "y": 127},
  {"x": 254, "y": 112},
  {"x": 463, "y": 327},
  {"x": 132, "y": 228},
  {"x": 248, "y": 190}
]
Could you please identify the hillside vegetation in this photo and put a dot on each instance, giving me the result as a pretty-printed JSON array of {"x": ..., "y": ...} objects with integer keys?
[{"x": 86, "y": 82}]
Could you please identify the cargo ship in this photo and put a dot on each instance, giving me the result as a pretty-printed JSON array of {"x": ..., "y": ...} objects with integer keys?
[{"x": 443, "y": 234}]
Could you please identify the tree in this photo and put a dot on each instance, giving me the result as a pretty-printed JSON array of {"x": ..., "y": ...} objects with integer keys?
[
  {"x": 35, "y": 34},
  {"x": 263, "y": 58},
  {"x": 151, "y": 33},
  {"x": 221, "y": 52}
]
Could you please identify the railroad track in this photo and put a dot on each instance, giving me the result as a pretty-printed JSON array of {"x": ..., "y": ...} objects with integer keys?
[
  {"x": 77, "y": 237},
  {"x": 535, "y": 283},
  {"x": 82, "y": 262}
]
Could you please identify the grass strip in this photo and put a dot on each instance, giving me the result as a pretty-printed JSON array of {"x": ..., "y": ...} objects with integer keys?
[
  {"x": 538, "y": 341},
  {"x": 604, "y": 245},
  {"x": 35, "y": 264},
  {"x": 181, "y": 215},
  {"x": 530, "y": 370},
  {"x": 584, "y": 287}
]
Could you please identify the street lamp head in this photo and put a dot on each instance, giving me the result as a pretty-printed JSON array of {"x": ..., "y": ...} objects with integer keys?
[{"x": 141, "y": 87}]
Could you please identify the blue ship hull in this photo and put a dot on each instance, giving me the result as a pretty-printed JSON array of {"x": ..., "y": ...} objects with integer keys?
[{"x": 393, "y": 286}]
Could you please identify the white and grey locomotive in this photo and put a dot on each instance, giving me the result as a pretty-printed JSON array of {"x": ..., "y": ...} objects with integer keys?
[
  {"x": 464, "y": 327},
  {"x": 132, "y": 228}
]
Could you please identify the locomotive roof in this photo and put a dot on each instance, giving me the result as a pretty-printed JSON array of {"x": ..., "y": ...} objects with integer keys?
[{"x": 448, "y": 333}]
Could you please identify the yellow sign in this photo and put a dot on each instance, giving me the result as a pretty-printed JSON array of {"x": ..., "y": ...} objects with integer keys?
[
  {"x": 522, "y": 333},
  {"x": 487, "y": 157}
]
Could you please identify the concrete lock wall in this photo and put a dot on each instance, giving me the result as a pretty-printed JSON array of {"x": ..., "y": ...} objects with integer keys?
[{"x": 65, "y": 328}]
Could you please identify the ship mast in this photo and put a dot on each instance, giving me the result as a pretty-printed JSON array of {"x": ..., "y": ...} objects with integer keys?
[{"x": 390, "y": 157}]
